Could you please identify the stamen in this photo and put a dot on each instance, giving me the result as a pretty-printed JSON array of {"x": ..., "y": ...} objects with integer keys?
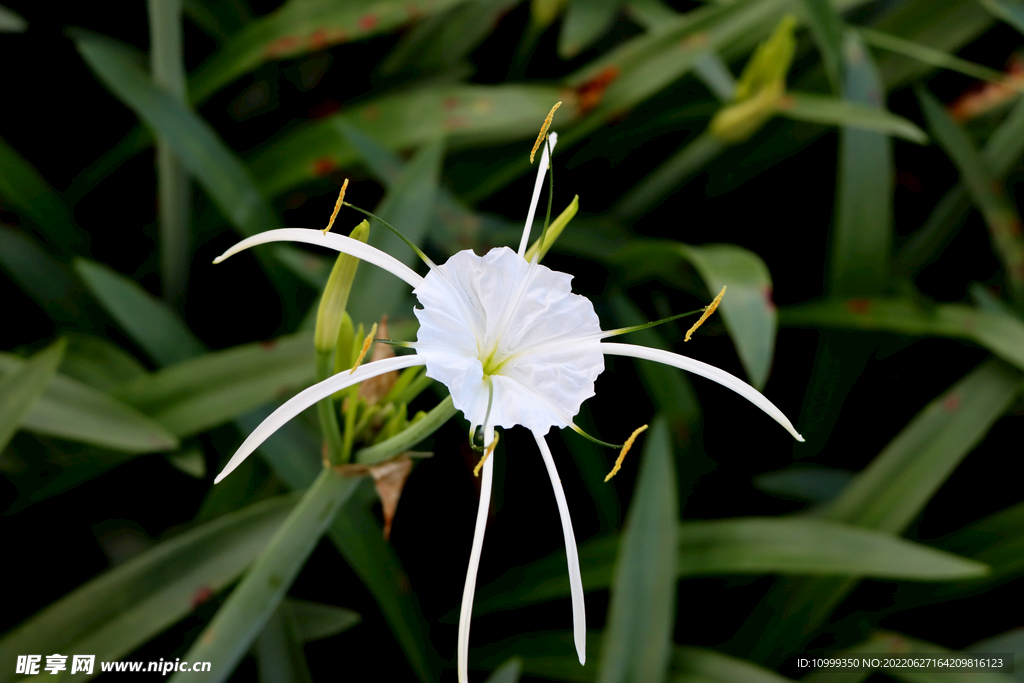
[
  {"x": 625, "y": 449},
  {"x": 337, "y": 207},
  {"x": 636, "y": 328},
  {"x": 366, "y": 347},
  {"x": 708, "y": 310},
  {"x": 543, "y": 131},
  {"x": 419, "y": 252},
  {"x": 576, "y": 428},
  {"x": 490, "y": 449}
]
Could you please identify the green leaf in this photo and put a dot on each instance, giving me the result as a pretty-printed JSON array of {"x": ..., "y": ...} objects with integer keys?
[
  {"x": 174, "y": 201},
  {"x": 1007, "y": 10},
  {"x": 585, "y": 21},
  {"x": 237, "y": 623},
  {"x": 407, "y": 205},
  {"x": 149, "y": 321},
  {"x": 886, "y": 496},
  {"x": 1004, "y": 223},
  {"x": 923, "y": 53},
  {"x": 359, "y": 537},
  {"x": 68, "y": 409},
  {"x": 677, "y": 169},
  {"x": 698, "y": 665},
  {"x": 688, "y": 665},
  {"x": 192, "y": 462},
  {"x": 194, "y": 395},
  {"x": 41, "y": 277},
  {"x": 126, "y": 606},
  {"x": 302, "y": 26},
  {"x": 638, "y": 637},
  {"x": 11, "y": 21},
  {"x": 830, "y": 111},
  {"x": 29, "y": 194},
  {"x": 440, "y": 42},
  {"x": 747, "y": 309},
  {"x": 357, "y": 534},
  {"x": 813, "y": 484},
  {"x": 862, "y": 239},
  {"x": 192, "y": 139},
  {"x": 745, "y": 545},
  {"x": 317, "y": 621},
  {"x": 507, "y": 672},
  {"x": 99, "y": 363},
  {"x": 19, "y": 390},
  {"x": 218, "y": 19},
  {"x": 1001, "y": 334},
  {"x": 278, "y": 649},
  {"x": 462, "y": 114},
  {"x": 827, "y": 28}
]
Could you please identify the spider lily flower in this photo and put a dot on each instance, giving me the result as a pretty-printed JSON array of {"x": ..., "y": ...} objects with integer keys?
[{"x": 514, "y": 346}]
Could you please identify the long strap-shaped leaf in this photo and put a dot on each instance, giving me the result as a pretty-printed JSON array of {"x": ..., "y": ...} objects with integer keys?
[
  {"x": 228, "y": 637},
  {"x": 747, "y": 545},
  {"x": 887, "y": 495},
  {"x": 122, "y": 608},
  {"x": 638, "y": 638},
  {"x": 20, "y": 389}
]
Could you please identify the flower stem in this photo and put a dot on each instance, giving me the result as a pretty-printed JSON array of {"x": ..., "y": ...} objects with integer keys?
[
  {"x": 404, "y": 441},
  {"x": 325, "y": 412},
  {"x": 234, "y": 628}
]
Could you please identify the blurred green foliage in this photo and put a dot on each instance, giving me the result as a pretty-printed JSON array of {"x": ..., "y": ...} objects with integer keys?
[{"x": 804, "y": 151}]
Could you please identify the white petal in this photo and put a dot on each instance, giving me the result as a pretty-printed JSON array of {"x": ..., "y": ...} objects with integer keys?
[
  {"x": 579, "y": 614},
  {"x": 345, "y": 245},
  {"x": 308, "y": 397},
  {"x": 537, "y": 185},
  {"x": 474, "y": 564},
  {"x": 704, "y": 370},
  {"x": 493, "y": 306}
]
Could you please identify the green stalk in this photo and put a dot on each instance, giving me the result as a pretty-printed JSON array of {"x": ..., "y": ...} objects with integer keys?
[
  {"x": 415, "y": 433},
  {"x": 173, "y": 187},
  {"x": 227, "y": 638}
]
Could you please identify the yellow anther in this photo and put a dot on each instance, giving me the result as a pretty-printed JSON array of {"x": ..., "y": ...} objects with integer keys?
[
  {"x": 366, "y": 347},
  {"x": 337, "y": 207},
  {"x": 625, "y": 449},
  {"x": 708, "y": 310},
  {"x": 490, "y": 449},
  {"x": 543, "y": 131}
]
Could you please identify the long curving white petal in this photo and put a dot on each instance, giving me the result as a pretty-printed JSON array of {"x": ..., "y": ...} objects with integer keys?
[
  {"x": 474, "y": 563},
  {"x": 537, "y": 185},
  {"x": 345, "y": 245},
  {"x": 704, "y": 370},
  {"x": 579, "y": 613},
  {"x": 309, "y": 397}
]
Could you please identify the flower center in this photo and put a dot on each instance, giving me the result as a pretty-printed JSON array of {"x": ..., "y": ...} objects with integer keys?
[{"x": 498, "y": 330}]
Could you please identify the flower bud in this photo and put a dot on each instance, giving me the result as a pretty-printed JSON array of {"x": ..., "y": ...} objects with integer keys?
[{"x": 335, "y": 296}]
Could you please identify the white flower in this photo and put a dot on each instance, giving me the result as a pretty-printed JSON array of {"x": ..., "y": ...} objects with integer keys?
[{"x": 514, "y": 346}]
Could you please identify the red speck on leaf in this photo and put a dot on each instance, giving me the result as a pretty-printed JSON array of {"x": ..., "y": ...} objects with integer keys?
[
  {"x": 591, "y": 92},
  {"x": 450, "y": 103},
  {"x": 268, "y": 345},
  {"x": 768, "y": 302},
  {"x": 323, "y": 166},
  {"x": 367, "y": 22},
  {"x": 319, "y": 39},
  {"x": 281, "y": 46},
  {"x": 371, "y": 113},
  {"x": 858, "y": 306},
  {"x": 455, "y": 122},
  {"x": 909, "y": 181},
  {"x": 951, "y": 403},
  {"x": 201, "y": 596},
  {"x": 325, "y": 108}
]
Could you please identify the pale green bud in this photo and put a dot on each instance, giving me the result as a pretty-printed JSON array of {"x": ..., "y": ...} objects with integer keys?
[{"x": 335, "y": 297}]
